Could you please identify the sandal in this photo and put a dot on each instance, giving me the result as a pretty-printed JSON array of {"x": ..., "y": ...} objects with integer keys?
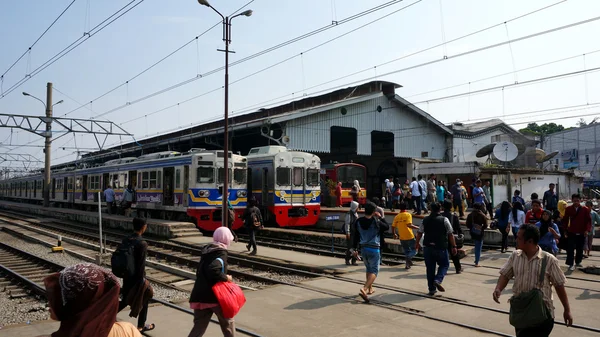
[
  {"x": 364, "y": 296},
  {"x": 371, "y": 291},
  {"x": 148, "y": 327}
]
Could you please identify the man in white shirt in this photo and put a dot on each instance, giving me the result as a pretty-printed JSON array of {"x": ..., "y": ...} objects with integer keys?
[
  {"x": 423, "y": 185},
  {"x": 416, "y": 195}
]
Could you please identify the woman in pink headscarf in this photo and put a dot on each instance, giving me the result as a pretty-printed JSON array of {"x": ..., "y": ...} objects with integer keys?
[{"x": 212, "y": 269}]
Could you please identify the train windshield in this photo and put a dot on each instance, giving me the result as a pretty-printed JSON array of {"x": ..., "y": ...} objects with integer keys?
[
  {"x": 221, "y": 177},
  {"x": 205, "y": 175},
  {"x": 239, "y": 175},
  {"x": 283, "y": 176},
  {"x": 312, "y": 177},
  {"x": 347, "y": 175}
]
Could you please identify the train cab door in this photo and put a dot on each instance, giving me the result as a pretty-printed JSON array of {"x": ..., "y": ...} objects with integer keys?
[
  {"x": 132, "y": 179},
  {"x": 105, "y": 183},
  {"x": 53, "y": 188},
  {"x": 249, "y": 187},
  {"x": 186, "y": 184},
  {"x": 168, "y": 182},
  {"x": 264, "y": 188},
  {"x": 298, "y": 186},
  {"x": 65, "y": 187},
  {"x": 35, "y": 189},
  {"x": 84, "y": 188}
]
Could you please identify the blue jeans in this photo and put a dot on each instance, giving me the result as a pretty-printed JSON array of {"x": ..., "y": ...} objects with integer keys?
[
  {"x": 409, "y": 248},
  {"x": 478, "y": 247},
  {"x": 435, "y": 257}
]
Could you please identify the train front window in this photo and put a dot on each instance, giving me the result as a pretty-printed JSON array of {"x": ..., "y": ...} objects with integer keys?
[
  {"x": 239, "y": 175},
  {"x": 221, "y": 176},
  {"x": 283, "y": 176},
  {"x": 312, "y": 177},
  {"x": 298, "y": 178},
  {"x": 347, "y": 175},
  {"x": 205, "y": 175}
]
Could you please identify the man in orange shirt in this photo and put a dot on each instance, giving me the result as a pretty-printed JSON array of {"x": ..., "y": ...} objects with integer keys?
[{"x": 402, "y": 229}]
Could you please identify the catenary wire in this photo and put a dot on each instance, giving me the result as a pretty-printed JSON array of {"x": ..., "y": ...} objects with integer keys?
[
  {"x": 38, "y": 39},
  {"x": 112, "y": 18}
]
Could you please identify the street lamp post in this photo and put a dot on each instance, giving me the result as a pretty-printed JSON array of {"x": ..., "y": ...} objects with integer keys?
[
  {"x": 227, "y": 39},
  {"x": 48, "y": 139}
]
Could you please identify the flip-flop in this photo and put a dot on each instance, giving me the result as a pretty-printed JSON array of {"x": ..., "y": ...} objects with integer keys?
[
  {"x": 148, "y": 327},
  {"x": 364, "y": 296},
  {"x": 371, "y": 291}
]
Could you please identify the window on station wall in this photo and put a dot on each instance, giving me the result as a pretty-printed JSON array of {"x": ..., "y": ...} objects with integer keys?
[{"x": 343, "y": 140}]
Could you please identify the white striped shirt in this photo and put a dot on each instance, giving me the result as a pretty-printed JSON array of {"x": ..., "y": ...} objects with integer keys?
[{"x": 527, "y": 274}]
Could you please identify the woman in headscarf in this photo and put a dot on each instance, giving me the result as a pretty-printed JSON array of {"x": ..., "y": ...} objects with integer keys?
[
  {"x": 355, "y": 191},
  {"x": 85, "y": 299},
  {"x": 549, "y": 233},
  {"x": 502, "y": 219},
  {"x": 563, "y": 224},
  {"x": 212, "y": 269}
]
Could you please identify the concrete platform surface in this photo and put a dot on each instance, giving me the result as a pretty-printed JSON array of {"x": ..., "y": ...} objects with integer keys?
[{"x": 156, "y": 227}]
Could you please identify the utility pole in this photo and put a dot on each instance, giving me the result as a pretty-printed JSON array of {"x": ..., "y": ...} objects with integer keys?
[{"x": 48, "y": 145}]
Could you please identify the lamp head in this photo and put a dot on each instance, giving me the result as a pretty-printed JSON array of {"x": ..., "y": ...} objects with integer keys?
[
  {"x": 26, "y": 94},
  {"x": 61, "y": 101},
  {"x": 247, "y": 13},
  {"x": 204, "y": 3}
]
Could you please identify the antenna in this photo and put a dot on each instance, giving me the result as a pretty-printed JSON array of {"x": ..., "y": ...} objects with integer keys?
[{"x": 505, "y": 151}]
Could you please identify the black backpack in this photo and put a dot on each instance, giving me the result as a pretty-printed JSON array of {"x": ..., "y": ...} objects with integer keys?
[{"x": 122, "y": 261}]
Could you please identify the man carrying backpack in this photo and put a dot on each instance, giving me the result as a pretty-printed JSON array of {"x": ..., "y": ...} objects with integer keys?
[
  {"x": 253, "y": 222},
  {"x": 349, "y": 230},
  {"x": 129, "y": 263}
]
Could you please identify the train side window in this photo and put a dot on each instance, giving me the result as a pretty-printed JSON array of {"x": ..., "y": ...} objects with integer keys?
[
  {"x": 283, "y": 176},
  {"x": 115, "y": 181},
  {"x": 205, "y": 175},
  {"x": 159, "y": 179},
  {"x": 145, "y": 180},
  {"x": 152, "y": 179},
  {"x": 178, "y": 178},
  {"x": 312, "y": 177},
  {"x": 239, "y": 175},
  {"x": 298, "y": 176}
]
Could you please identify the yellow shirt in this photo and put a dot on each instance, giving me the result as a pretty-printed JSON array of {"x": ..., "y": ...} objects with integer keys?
[{"x": 401, "y": 222}]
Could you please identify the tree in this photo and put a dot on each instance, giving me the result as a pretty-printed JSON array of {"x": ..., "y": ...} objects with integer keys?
[
  {"x": 544, "y": 129},
  {"x": 582, "y": 122}
]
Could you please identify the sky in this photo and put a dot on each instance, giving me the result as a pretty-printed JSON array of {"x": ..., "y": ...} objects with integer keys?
[{"x": 419, "y": 44}]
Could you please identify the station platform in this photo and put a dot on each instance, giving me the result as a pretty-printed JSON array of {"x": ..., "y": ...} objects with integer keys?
[{"x": 156, "y": 227}]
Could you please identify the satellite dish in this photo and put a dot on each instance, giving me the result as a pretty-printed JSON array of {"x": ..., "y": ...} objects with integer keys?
[
  {"x": 548, "y": 157},
  {"x": 485, "y": 151},
  {"x": 505, "y": 151},
  {"x": 521, "y": 148}
]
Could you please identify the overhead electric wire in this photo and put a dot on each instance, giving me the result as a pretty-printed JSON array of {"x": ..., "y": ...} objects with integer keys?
[
  {"x": 263, "y": 52},
  {"x": 115, "y": 16},
  {"x": 276, "y": 64},
  {"x": 260, "y": 104},
  {"x": 38, "y": 39}
]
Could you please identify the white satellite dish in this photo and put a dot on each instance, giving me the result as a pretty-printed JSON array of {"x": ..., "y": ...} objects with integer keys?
[{"x": 506, "y": 151}]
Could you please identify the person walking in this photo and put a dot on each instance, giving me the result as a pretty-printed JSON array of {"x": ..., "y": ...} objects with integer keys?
[
  {"x": 502, "y": 223},
  {"x": 137, "y": 291},
  {"x": 109, "y": 196},
  {"x": 438, "y": 237},
  {"x": 253, "y": 222},
  {"x": 549, "y": 233},
  {"x": 355, "y": 191},
  {"x": 580, "y": 223},
  {"x": 349, "y": 230},
  {"x": 534, "y": 215},
  {"x": 231, "y": 220},
  {"x": 127, "y": 200},
  {"x": 517, "y": 197},
  {"x": 389, "y": 186},
  {"x": 529, "y": 204},
  {"x": 456, "y": 231},
  {"x": 517, "y": 218},
  {"x": 211, "y": 270},
  {"x": 440, "y": 192},
  {"x": 550, "y": 199},
  {"x": 424, "y": 192},
  {"x": 415, "y": 189},
  {"x": 477, "y": 223},
  {"x": 595, "y": 222},
  {"x": 402, "y": 228},
  {"x": 532, "y": 268},
  {"x": 489, "y": 203},
  {"x": 368, "y": 228},
  {"x": 457, "y": 198}
]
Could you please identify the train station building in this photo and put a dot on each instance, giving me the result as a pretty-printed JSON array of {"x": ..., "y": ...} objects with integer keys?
[{"x": 367, "y": 124}]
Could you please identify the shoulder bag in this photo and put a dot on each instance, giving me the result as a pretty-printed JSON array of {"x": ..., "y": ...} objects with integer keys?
[{"x": 528, "y": 308}]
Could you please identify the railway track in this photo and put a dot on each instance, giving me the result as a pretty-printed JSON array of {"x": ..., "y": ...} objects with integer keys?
[{"x": 407, "y": 292}]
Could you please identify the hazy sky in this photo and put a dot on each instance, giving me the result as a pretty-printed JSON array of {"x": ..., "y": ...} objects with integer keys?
[{"x": 155, "y": 28}]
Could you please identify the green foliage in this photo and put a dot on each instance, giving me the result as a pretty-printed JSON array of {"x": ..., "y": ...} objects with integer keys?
[{"x": 544, "y": 129}]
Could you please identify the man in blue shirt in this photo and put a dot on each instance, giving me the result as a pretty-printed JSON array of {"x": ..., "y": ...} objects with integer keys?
[
  {"x": 109, "y": 195},
  {"x": 478, "y": 195}
]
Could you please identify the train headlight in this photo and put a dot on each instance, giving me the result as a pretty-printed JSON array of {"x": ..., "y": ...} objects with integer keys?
[
  {"x": 203, "y": 193},
  {"x": 241, "y": 194}
]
